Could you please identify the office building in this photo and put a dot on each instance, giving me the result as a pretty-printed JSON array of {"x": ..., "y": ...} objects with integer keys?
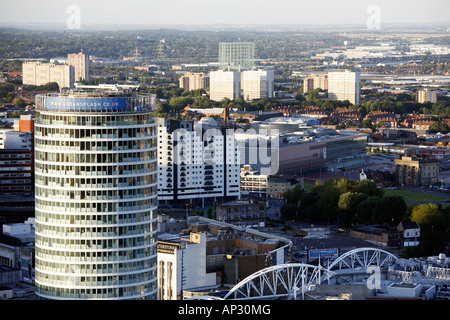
[
  {"x": 182, "y": 266},
  {"x": 212, "y": 256},
  {"x": 245, "y": 213},
  {"x": 17, "y": 246},
  {"x": 224, "y": 84},
  {"x": 16, "y": 172},
  {"x": 257, "y": 84},
  {"x": 95, "y": 193},
  {"x": 80, "y": 63},
  {"x": 17, "y": 158},
  {"x": 307, "y": 150},
  {"x": 236, "y": 55},
  {"x": 196, "y": 162},
  {"x": 315, "y": 81},
  {"x": 426, "y": 95},
  {"x": 252, "y": 181},
  {"x": 12, "y": 139},
  {"x": 416, "y": 171},
  {"x": 194, "y": 81},
  {"x": 38, "y": 73},
  {"x": 277, "y": 187},
  {"x": 344, "y": 85}
]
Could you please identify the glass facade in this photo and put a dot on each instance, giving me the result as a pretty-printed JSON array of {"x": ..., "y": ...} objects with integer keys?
[
  {"x": 236, "y": 55},
  {"x": 95, "y": 202}
]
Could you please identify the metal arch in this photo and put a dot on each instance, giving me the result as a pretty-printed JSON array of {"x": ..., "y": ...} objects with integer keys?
[
  {"x": 362, "y": 258},
  {"x": 204, "y": 298},
  {"x": 280, "y": 281}
]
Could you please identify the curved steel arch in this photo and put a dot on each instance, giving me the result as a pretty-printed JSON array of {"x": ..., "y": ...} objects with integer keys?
[
  {"x": 362, "y": 258},
  {"x": 287, "y": 281},
  {"x": 204, "y": 298}
]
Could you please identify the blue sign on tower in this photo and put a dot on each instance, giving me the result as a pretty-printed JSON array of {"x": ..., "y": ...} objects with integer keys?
[{"x": 86, "y": 104}]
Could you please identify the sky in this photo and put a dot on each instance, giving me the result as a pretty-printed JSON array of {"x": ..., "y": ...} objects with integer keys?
[{"x": 220, "y": 12}]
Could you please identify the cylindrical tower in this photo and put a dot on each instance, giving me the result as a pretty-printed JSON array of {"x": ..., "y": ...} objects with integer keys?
[{"x": 95, "y": 196}]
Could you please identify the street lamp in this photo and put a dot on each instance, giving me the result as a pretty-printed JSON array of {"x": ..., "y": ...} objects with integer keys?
[{"x": 187, "y": 205}]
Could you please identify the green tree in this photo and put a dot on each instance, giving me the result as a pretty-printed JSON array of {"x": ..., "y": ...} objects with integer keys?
[
  {"x": 367, "y": 123},
  {"x": 426, "y": 215},
  {"x": 434, "y": 224},
  {"x": 20, "y": 103},
  {"x": 313, "y": 98},
  {"x": 390, "y": 210},
  {"x": 366, "y": 210},
  {"x": 368, "y": 187},
  {"x": 439, "y": 127},
  {"x": 349, "y": 201},
  {"x": 294, "y": 195}
]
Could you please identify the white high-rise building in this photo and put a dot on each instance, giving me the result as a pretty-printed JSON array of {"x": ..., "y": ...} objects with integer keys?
[
  {"x": 96, "y": 198},
  {"x": 257, "y": 84},
  {"x": 37, "y": 74},
  {"x": 224, "y": 84},
  {"x": 344, "y": 85},
  {"x": 196, "y": 162},
  {"x": 426, "y": 95}
]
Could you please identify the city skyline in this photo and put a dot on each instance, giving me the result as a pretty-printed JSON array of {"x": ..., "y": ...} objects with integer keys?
[
  {"x": 210, "y": 150},
  {"x": 232, "y": 12}
]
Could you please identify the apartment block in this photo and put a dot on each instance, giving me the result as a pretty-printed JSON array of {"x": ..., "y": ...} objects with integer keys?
[
  {"x": 426, "y": 95},
  {"x": 196, "y": 162},
  {"x": 344, "y": 85},
  {"x": 194, "y": 81},
  {"x": 224, "y": 84},
  {"x": 315, "y": 81},
  {"x": 252, "y": 181},
  {"x": 38, "y": 73},
  {"x": 257, "y": 84},
  {"x": 17, "y": 158},
  {"x": 80, "y": 62}
]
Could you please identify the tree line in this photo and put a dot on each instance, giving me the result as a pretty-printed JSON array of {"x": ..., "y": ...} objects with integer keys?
[{"x": 349, "y": 204}]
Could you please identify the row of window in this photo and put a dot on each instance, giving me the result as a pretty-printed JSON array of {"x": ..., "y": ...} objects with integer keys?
[
  {"x": 98, "y": 268},
  {"x": 15, "y": 181},
  {"x": 97, "y": 219},
  {"x": 96, "y": 195},
  {"x": 94, "y": 158},
  {"x": 95, "y": 281},
  {"x": 90, "y": 183},
  {"x": 91, "y": 244},
  {"x": 99, "y": 133},
  {"x": 14, "y": 155},
  {"x": 94, "y": 120},
  {"x": 116, "y": 145},
  {"x": 15, "y": 162},
  {"x": 141, "y": 292},
  {"x": 123, "y": 169},
  {"x": 241, "y": 216},
  {"x": 75, "y": 206},
  {"x": 112, "y": 245}
]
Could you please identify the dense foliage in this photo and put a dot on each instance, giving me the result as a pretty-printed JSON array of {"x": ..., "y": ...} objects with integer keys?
[{"x": 349, "y": 203}]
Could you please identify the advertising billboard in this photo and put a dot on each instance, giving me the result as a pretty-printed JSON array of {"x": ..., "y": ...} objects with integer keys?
[
  {"x": 327, "y": 254},
  {"x": 86, "y": 104}
]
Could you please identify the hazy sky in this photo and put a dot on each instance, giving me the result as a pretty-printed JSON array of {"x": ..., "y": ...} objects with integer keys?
[{"x": 195, "y": 12}]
